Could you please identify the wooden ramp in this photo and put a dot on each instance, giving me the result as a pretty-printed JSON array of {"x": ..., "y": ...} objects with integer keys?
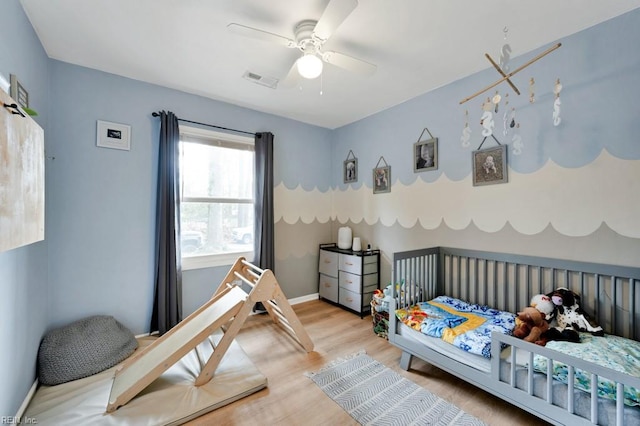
[{"x": 228, "y": 309}]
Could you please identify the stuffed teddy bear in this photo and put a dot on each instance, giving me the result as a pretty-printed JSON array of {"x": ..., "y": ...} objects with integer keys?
[
  {"x": 570, "y": 314},
  {"x": 533, "y": 321}
]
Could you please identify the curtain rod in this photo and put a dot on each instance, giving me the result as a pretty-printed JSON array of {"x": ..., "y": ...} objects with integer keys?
[{"x": 157, "y": 114}]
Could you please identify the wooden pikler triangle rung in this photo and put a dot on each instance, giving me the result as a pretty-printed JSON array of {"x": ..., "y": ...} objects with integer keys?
[{"x": 228, "y": 309}]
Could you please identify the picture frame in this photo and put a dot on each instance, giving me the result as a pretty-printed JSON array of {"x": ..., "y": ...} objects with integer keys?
[
  {"x": 490, "y": 166},
  {"x": 425, "y": 155},
  {"x": 350, "y": 170},
  {"x": 18, "y": 92},
  {"x": 113, "y": 135},
  {"x": 382, "y": 179}
]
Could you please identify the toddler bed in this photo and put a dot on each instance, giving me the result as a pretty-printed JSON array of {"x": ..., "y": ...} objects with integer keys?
[{"x": 596, "y": 381}]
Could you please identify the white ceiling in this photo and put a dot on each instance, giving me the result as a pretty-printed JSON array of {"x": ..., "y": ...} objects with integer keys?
[{"x": 417, "y": 45}]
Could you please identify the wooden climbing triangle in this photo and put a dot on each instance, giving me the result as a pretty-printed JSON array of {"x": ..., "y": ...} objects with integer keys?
[{"x": 227, "y": 310}]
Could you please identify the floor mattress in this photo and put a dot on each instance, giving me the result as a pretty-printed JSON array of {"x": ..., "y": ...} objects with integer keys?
[{"x": 171, "y": 399}]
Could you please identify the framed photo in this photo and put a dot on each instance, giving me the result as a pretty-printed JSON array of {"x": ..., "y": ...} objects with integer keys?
[
  {"x": 490, "y": 166},
  {"x": 18, "y": 92},
  {"x": 425, "y": 155},
  {"x": 382, "y": 179},
  {"x": 350, "y": 170},
  {"x": 114, "y": 135}
]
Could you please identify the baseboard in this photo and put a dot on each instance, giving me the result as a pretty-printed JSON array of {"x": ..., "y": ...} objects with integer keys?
[
  {"x": 18, "y": 419},
  {"x": 302, "y": 299}
]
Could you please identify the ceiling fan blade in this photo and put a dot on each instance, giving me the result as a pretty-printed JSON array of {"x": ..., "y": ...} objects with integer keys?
[
  {"x": 349, "y": 63},
  {"x": 261, "y": 35},
  {"x": 335, "y": 13}
]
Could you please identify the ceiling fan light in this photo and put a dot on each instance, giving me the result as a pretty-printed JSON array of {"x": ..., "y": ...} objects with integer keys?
[{"x": 309, "y": 66}]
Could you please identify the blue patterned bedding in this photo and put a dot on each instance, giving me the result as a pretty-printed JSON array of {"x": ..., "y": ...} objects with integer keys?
[
  {"x": 614, "y": 352},
  {"x": 464, "y": 325}
]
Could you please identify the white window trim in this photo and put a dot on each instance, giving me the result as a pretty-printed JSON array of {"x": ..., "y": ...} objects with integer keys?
[{"x": 214, "y": 260}]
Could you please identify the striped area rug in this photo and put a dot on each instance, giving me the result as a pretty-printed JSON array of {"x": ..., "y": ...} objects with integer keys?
[{"x": 376, "y": 395}]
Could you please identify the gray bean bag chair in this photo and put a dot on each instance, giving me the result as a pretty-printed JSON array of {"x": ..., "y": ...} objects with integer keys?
[{"x": 83, "y": 348}]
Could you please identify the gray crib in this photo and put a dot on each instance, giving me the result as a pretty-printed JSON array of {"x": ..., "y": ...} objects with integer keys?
[{"x": 609, "y": 293}]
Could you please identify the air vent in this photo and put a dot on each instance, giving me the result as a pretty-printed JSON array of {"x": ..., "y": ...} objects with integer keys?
[{"x": 262, "y": 80}]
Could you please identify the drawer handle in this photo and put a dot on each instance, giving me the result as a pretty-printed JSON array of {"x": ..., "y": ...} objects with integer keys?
[
  {"x": 348, "y": 263},
  {"x": 349, "y": 299},
  {"x": 327, "y": 261},
  {"x": 349, "y": 282},
  {"x": 327, "y": 285}
]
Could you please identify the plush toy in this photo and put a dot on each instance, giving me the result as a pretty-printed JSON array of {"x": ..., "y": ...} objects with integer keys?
[
  {"x": 533, "y": 321},
  {"x": 531, "y": 325},
  {"x": 570, "y": 315}
]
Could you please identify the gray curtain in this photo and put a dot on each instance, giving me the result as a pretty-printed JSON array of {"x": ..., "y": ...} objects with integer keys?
[
  {"x": 263, "y": 224},
  {"x": 167, "y": 304},
  {"x": 263, "y": 195}
]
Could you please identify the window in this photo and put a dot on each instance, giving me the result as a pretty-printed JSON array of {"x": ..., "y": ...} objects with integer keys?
[{"x": 216, "y": 209}]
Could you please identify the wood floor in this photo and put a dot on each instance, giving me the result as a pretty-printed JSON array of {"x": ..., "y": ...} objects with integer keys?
[{"x": 292, "y": 399}]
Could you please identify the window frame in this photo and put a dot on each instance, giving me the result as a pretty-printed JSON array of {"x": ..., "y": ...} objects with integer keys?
[{"x": 213, "y": 138}]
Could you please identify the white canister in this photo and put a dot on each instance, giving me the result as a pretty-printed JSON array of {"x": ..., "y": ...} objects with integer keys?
[
  {"x": 344, "y": 237},
  {"x": 357, "y": 245}
]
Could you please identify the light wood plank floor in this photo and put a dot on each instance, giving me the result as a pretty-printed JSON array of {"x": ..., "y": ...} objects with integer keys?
[{"x": 292, "y": 399}]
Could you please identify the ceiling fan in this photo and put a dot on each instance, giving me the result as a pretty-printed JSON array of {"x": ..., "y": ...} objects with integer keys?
[{"x": 310, "y": 35}]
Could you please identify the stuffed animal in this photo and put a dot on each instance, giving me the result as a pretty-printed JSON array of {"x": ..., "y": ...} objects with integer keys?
[
  {"x": 570, "y": 314},
  {"x": 531, "y": 325},
  {"x": 533, "y": 322}
]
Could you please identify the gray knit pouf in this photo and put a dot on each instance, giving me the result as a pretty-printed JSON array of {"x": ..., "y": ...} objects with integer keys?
[{"x": 83, "y": 348}]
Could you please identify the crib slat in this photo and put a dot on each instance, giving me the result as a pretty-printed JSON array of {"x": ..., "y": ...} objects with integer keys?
[
  {"x": 619, "y": 404},
  {"x": 614, "y": 305},
  {"x": 570, "y": 393},
  {"x": 549, "y": 380},
  {"x": 530, "y": 373},
  {"x": 594, "y": 398},
  {"x": 632, "y": 308}
]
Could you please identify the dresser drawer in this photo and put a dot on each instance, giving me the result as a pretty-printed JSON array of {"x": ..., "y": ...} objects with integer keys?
[
  {"x": 328, "y": 288},
  {"x": 350, "y": 300},
  {"x": 328, "y": 263},
  {"x": 355, "y": 301},
  {"x": 349, "y": 281},
  {"x": 349, "y": 263}
]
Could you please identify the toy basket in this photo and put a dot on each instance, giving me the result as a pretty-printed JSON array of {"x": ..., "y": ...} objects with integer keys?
[{"x": 380, "y": 320}]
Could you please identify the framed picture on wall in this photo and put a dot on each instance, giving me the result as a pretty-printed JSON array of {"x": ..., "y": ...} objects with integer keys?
[
  {"x": 425, "y": 155},
  {"x": 490, "y": 166},
  {"x": 350, "y": 170},
  {"x": 113, "y": 135},
  {"x": 382, "y": 179}
]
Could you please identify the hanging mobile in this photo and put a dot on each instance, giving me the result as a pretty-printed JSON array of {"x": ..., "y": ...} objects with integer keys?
[
  {"x": 517, "y": 141},
  {"x": 496, "y": 101},
  {"x": 556, "y": 103},
  {"x": 505, "y": 116},
  {"x": 487, "y": 118},
  {"x": 504, "y": 53},
  {"x": 532, "y": 90},
  {"x": 466, "y": 131}
]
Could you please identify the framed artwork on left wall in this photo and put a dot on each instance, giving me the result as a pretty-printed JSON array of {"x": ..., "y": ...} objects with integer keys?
[{"x": 113, "y": 135}]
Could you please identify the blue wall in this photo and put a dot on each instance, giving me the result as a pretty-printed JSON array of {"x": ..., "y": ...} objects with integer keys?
[
  {"x": 98, "y": 252},
  {"x": 102, "y": 206},
  {"x": 572, "y": 192},
  {"x": 23, "y": 271}
]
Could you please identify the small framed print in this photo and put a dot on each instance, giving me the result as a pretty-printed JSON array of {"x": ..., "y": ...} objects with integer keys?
[
  {"x": 425, "y": 155},
  {"x": 490, "y": 166},
  {"x": 18, "y": 92},
  {"x": 381, "y": 180},
  {"x": 113, "y": 135},
  {"x": 351, "y": 170}
]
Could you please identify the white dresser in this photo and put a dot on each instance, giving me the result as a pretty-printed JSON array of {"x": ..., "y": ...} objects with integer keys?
[{"x": 348, "y": 278}]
